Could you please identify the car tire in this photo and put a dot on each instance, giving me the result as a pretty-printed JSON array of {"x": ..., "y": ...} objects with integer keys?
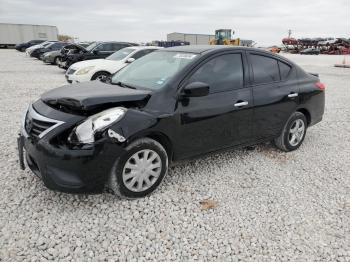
[
  {"x": 132, "y": 176},
  {"x": 23, "y": 49},
  {"x": 293, "y": 133},
  {"x": 102, "y": 76},
  {"x": 55, "y": 61}
]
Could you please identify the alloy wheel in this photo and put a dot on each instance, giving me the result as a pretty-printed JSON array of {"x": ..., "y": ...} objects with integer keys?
[
  {"x": 101, "y": 77},
  {"x": 296, "y": 132}
]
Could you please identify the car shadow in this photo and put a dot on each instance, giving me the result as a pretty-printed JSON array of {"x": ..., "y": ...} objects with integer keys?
[{"x": 91, "y": 200}]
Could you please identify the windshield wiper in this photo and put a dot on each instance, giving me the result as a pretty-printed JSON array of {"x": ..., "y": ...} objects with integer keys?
[{"x": 125, "y": 85}]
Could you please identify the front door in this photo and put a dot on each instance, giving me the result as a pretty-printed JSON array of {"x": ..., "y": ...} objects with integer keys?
[{"x": 220, "y": 119}]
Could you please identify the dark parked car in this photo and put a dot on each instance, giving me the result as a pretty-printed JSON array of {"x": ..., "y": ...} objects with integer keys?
[
  {"x": 37, "y": 53},
  {"x": 310, "y": 51},
  {"x": 54, "y": 56},
  {"x": 94, "y": 51},
  {"x": 172, "y": 104},
  {"x": 71, "y": 49},
  {"x": 23, "y": 46}
]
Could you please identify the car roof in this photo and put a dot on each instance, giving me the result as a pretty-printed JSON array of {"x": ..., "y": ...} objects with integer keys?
[
  {"x": 117, "y": 42},
  {"x": 207, "y": 49},
  {"x": 201, "y": 49},
  {"x": 198, "y": 49},
  {"x": 144, "y": 47}
]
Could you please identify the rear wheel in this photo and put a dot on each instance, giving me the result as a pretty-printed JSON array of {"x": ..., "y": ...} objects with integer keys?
[
  {"x": 102, "y": 76},
  {"x": 140, "y": 170},
  {"x": 293, "y": 133}
]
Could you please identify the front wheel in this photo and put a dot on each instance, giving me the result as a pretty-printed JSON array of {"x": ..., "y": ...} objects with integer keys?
[
  {"x": 140, "y": 170},
  {"x": 102, "y": 76},
  {"x": 293, "y": 133}
]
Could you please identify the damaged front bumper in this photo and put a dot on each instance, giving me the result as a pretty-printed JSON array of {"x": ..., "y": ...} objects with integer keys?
[
  {"x": 65, "y": 168},
  {"x": 68, "y": 170}
]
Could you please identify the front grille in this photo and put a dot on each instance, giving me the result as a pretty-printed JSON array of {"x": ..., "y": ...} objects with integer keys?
[
  {"x": 37, "y": 125},
  {"x": 71, "y": 71}
]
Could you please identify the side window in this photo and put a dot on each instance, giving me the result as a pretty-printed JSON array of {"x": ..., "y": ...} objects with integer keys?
[
  {"x": 116, "y": 47},
  {"x": 142, "y": 53},
  {"x": 265, "y": 69},
  {"x": 284, "y": 70},
  {"x": 222, "y": 73},
  {"x": 105, "y": 47},
  {"x": 98, "y": 48}
]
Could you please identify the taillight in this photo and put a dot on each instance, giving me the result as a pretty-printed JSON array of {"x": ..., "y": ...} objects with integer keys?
[{"x": 320, "y": 86}]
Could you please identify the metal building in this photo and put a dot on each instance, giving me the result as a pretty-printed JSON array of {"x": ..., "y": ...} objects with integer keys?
[{"x": 193, "y": 39}]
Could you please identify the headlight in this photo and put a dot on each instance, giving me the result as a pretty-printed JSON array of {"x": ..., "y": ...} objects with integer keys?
[
  {"x": 84, "y": 70},
  {"x": 85, "y": 132}
]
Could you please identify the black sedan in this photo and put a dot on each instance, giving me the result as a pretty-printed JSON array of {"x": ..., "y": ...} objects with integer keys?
[
  {"x": 172, "y": 104},
  {"x": 51, "y": 47},
  {"x": 23, "y": 46}
]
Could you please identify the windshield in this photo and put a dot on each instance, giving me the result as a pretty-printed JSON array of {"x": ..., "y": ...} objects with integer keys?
[
  {"x": 92, "y": 46},
  {"x": 153, "y": 71},
  {"x": 121, "y": 54}
]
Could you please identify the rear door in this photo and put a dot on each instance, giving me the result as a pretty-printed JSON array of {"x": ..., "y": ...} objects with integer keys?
[
  {"x": 222, "y": 118},
  {"x": 275, "y": 92}
]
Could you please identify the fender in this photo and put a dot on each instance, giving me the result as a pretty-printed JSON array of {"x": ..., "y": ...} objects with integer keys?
[{"x": 134, "y": 122}]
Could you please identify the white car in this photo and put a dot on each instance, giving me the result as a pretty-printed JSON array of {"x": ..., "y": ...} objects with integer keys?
[
  {"x": 328, "y": 41},
  {"x": 100, "y": 69},
  {"x": 29, "y": 50}
]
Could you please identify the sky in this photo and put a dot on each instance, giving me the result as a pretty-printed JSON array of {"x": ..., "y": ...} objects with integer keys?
[{"x": 264, "y": 21}]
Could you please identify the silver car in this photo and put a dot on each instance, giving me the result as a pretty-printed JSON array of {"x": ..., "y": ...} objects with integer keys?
[{"x": 51, "y": 57}]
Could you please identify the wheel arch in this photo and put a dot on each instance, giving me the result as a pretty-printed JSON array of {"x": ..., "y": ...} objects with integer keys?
[
  {"x": 99, "y": 71},
  {"x": 306, "y": 114},
  {"x": 158, "y": 136}
]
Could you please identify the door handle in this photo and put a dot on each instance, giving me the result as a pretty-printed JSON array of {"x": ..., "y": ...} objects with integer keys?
[
  {"x": 293, "y": 95},
  {"x": 239, "y": 104}
]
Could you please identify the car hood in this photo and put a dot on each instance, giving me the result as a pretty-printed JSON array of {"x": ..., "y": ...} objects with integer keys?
[{"x": 92, "y": 95}]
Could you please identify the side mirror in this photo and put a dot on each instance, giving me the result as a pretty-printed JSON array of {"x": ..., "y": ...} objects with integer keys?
[
  {"x": 196, "y": 89},
  {"x": 130, "y": 60}
]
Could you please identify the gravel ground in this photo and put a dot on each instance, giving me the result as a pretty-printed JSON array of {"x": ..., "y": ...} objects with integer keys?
[{"x": 267, "y": 205}]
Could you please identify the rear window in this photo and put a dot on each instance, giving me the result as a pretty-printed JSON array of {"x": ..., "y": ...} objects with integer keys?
[{"x": 265, "y": 69}]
